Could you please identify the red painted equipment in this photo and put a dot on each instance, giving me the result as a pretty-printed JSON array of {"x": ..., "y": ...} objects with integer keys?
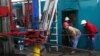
[
  {"x": 31, "y": 37},
  {"x": 4, "y": 11},
  {"x": 13, "y": 27},
  {"x": 25, "y": 21}
]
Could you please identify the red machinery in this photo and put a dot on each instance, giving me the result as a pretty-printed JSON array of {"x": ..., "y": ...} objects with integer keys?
[
  {"x": 31, "y": 36},
  {"x": 4, "y": 11}
]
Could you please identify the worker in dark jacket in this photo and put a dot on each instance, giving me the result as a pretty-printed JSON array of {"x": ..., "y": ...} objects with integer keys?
[{"x": 91, "y": 31}]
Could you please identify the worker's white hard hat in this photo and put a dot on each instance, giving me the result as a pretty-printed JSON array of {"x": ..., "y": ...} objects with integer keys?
[
  {"x": 67, "y": 18},
  {"x": 83, "y": 22}
]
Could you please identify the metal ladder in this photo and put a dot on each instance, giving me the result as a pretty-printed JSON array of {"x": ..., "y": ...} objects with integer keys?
[
  {"x": 47, "y": 19},
  {"x": 55, "y": 34}
]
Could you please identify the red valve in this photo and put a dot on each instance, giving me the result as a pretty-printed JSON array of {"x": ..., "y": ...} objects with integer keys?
[{"x": 33, "y": 37}]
